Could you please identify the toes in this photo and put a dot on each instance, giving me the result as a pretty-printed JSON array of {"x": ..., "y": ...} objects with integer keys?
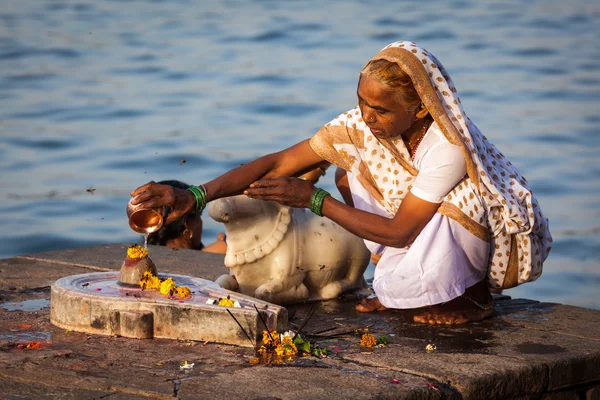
[{"x": 362, "y": 308}]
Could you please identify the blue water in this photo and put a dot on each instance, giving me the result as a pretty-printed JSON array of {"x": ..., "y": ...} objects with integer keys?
[{"x": 107, "y": 95}]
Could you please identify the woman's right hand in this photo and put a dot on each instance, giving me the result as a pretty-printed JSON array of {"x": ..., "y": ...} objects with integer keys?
[{"x": 153, "y": 195}]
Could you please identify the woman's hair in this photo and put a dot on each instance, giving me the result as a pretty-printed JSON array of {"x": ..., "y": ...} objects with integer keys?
[
  {"x": 393, "y": 77},
  {"x": 174, "y": 229}
]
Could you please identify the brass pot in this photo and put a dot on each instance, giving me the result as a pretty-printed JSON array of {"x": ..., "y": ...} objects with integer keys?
[{"x": 144, "y": 220}]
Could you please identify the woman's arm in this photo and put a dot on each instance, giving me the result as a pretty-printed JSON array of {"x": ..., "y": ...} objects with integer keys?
[
  {"x": 293, "y": 161},
  {"x": 400, "y": 231}
]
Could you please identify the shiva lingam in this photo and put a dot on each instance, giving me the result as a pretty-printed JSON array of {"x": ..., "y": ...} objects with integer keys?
[{"x": 120, "y": 303}]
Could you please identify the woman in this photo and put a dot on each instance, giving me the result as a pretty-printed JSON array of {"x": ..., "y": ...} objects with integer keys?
[{"x": 446, "y": 212}]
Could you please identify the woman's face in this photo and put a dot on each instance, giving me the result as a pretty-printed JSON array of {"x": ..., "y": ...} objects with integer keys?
[{"x": 381, "y": 111}]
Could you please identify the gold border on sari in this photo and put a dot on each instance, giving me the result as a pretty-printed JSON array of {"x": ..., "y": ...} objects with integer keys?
[
  {"x": 511, "y": 279},
  {"x": 453, "y": 212}
]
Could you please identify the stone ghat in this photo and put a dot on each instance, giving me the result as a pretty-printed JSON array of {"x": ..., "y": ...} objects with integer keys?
[{"x": 527, "y": 350}]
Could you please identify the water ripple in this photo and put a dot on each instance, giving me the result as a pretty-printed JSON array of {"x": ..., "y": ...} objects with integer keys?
[
  {"x": 438, "y": 34},
  {"x": 267, "y": 36},
  {"x": 41, "y": 143},
  {"x": 394, "y": 22},
  {"x": 576, "y": 248},
  {"x": 63, "y": 114},
  {"x": 24, "y": 53},
  {"x": 534, "y": 52},
  {"x": 280, "y": 109},
  {"x": 271, "y": 79},
  {"x": 157, "y": 164},
  {"x": 138, "y": 71}
]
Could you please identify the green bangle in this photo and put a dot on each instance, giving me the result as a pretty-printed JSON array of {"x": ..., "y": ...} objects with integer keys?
[
  {"x": 200, "y": 196},
  {"x": 316, "y": 201}
]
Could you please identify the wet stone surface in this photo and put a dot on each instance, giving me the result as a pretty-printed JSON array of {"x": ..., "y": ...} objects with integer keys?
[{"x": 527, "y": 350}]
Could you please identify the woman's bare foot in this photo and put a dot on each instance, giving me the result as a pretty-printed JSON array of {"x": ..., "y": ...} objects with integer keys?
[
  {"x": 370, "y": 305},
  {"x": 474, "y": 305},
  {"x": 219, "y": 246}
]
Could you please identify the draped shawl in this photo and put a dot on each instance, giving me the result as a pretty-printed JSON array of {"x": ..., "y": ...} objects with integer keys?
[{"x": 493, "y": 202}]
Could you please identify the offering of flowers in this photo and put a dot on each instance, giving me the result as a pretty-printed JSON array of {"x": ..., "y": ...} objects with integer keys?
[
  {"x": 277, "y": 348},
  {"x": 369, "y": 340},
  {"x": 165, "y": 286}
]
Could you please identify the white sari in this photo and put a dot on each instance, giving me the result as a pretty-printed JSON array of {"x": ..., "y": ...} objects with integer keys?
[{"x": 493, "y": 204}]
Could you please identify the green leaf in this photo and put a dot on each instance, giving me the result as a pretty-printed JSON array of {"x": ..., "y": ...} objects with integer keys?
[
  {"x": 301, "y": 345},
  {"x": 304, "y": 347},
  {"x": 320, "y": 353},
  {"x": 298, "y": 340},
  {"x": 382, "y": 340}
]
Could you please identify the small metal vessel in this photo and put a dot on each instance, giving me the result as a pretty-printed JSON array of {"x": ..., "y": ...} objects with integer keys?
[{"x": 144, "y": 220}]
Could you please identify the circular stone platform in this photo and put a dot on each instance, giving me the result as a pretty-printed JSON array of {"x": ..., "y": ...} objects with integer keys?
[{"x": 96, "y": 303}]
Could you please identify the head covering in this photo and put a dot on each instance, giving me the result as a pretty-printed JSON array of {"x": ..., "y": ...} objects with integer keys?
[{"x": 494, "y": 201}]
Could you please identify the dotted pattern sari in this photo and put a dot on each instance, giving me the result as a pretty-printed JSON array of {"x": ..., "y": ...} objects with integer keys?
[{"x": 493, "y": 202}]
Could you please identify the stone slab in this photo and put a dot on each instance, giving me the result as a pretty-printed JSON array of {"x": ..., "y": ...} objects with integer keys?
[
  {"x": 96, "y": 303},
  {"x": 527, "y": 350}
]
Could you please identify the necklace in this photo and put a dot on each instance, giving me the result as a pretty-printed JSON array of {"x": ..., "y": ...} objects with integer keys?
[{"x": 415, "y": 146}]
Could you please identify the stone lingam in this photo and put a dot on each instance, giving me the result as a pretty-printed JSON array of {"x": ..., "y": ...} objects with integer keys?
[
  {"x": 138, "y": 302},
  {"x": 287, "y": 255}
]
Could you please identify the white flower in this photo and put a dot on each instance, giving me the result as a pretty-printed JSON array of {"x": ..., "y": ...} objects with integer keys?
[
  {"x": 211, "y": 301},
  {"x": 291, "y": 335},
  {"x": 185, "y": 366},
  {"x": 237, "y": 304}
]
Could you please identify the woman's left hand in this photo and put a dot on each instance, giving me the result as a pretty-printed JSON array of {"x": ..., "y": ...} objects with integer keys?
[{"x": 293, "y": 192}]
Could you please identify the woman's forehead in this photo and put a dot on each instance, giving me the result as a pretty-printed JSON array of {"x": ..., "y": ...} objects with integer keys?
[{"x": 371, "y": 90}]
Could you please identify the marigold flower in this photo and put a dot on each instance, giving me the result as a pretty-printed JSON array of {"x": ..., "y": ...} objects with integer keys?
[
  {"x": 430, "y": 347},
  {"x": 183, "y": 291},
  {"x": 262, "y": 351},
  {"x": 167, "y": 286},
  {"x": 226, "y": 302},
  {"x": 136, "y": 252},
  {"x": 368, "y": 340},
  {"x": 149, "y": 281},
  {"x": 279, "y": 350},
  {"x": 267, "y": 339}
]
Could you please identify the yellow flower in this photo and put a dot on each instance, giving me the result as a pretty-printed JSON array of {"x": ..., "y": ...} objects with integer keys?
[
  {"x": 267, "y": 339},
  {"x": 167, "y": 286},
  {"x": 226, "y": 302},
  {"x": 368, "y": 340},
  {"x": 262, "y": 351},
  {"x": 182, "y": 291},
  {"x": 136, "y": 252},
  {"x": 279, "y": 350},
  {"x": 149, "y": 281}
]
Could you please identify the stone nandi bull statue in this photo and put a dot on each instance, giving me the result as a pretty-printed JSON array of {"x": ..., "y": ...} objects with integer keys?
[{"x": 286, "y": 255}]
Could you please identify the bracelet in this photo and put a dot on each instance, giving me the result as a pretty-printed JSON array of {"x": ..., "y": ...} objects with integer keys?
[
  {"x": 316, "y": 201},
  {"x": 200, "y": 196}
]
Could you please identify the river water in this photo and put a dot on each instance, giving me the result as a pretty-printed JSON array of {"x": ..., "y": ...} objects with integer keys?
[{"x": 99, "y": 97}]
